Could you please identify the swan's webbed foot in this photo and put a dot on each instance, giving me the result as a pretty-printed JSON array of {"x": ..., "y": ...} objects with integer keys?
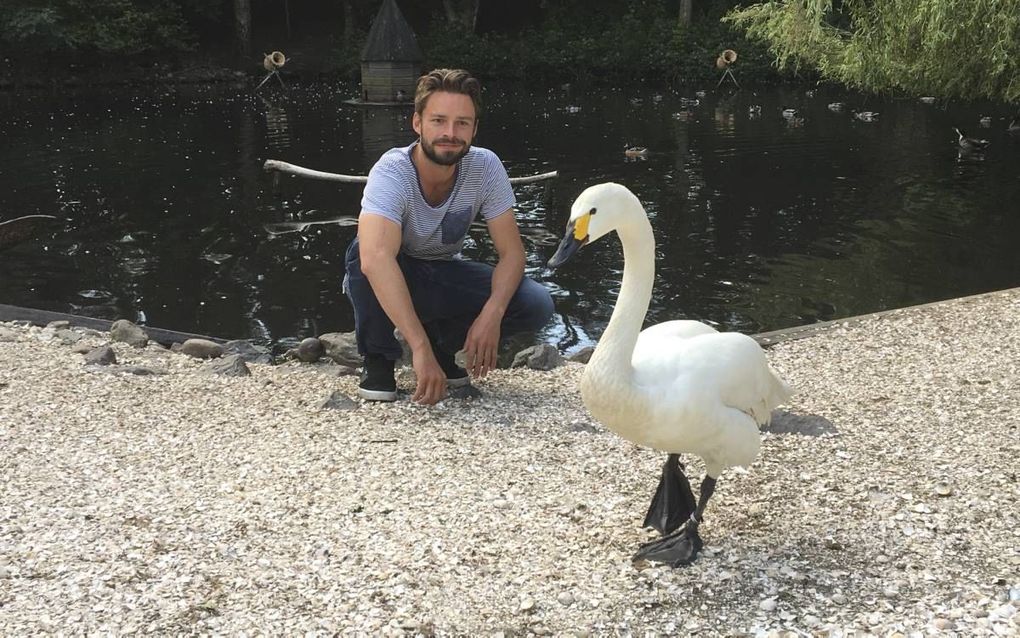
[
  {"x": 678, "y": 549},
  {"x": 673, "y": 502}
]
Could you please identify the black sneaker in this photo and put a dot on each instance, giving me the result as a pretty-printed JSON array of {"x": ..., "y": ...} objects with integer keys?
[
  {"x": 456, "y": 376},
  {"x": 377, "y": 380}
]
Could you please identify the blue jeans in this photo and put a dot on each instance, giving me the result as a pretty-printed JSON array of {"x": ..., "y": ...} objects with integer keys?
[{"x": 447, "y": 296}]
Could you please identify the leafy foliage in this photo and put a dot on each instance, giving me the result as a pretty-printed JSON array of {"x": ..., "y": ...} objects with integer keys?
[
  {"x": 600, "y": 39},
  {"x": 105, "y": 26},
  {"x": 948, "y": 48}
]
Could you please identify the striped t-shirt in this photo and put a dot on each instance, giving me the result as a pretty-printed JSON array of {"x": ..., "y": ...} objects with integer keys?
[{"x": 437, "y": 232}]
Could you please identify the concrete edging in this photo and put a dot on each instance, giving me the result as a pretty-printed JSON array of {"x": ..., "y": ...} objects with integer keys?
[
  {"x": 773, "y": 337},
  {"x": 43, "y": 317},
  {"x": 766, "y": 339}
]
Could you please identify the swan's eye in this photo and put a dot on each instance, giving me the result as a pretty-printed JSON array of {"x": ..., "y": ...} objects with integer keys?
[{"x": 591, "y": 212}]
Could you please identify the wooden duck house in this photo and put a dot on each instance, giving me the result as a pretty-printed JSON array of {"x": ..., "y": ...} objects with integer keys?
[{"x": 391, "y": 60}]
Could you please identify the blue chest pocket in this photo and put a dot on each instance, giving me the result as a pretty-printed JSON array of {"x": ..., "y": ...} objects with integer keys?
[{"x": 455, "y": 225}]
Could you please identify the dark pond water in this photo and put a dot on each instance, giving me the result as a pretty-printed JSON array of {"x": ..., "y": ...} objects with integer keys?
[{"x": 762, "y": 222}]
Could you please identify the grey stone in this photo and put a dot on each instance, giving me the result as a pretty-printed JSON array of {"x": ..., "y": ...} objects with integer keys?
[
  {"x": 201, "y": 349},
  {"x": 248, "y": 351},
  {"x": 338, "y": 401},
  {"x": 346, "y": 371},
  {"x": 68, "y": 337},
  {"x": 583, "y": 355},
  {"x": 541, "y": 357},
  {"x": 142, "y": 371},
  {"x": 60, "y": 324},
  {"x": 8, "y": 335},
  {"x": 465, "y": 392},
  {"x": 406, "y": 356},
  {"x": 101, "y": 356},
  {"x": 309, "y": 350},
  {"x": 583, "y": 427},
  {"x": 342, "y": 347},
  {"x": 80, "y": 348},
  {"x": 124, "y": 331},
  {"x": 231, "y": 365}
]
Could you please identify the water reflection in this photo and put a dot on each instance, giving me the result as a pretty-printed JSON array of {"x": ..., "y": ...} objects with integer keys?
[
  {"x": 277, "y": 127},
  {"x": 383, "y": 128}
]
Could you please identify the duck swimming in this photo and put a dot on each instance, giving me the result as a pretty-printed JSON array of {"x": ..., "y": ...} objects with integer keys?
[
  {"x": 678, "y": 386},
  {"x": 970, "y": 143},
  {"x": 635, "y": 151}
]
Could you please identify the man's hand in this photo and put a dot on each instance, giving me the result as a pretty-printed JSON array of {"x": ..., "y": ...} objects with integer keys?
[
  {"x": 431, "y": 378},
  {"x": 482, "y": 344}
]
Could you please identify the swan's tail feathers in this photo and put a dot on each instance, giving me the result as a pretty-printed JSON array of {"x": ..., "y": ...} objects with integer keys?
[
  {"x": 778, "y": 393},
  {"x": 781, "y": 390}
]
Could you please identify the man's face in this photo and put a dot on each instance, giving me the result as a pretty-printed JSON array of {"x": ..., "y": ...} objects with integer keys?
[{"x": 446, "y": 126}]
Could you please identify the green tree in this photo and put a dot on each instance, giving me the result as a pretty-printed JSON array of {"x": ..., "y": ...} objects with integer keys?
[
  {"x": 946, "y": 48},
  {"x": 121, "y": 27}
]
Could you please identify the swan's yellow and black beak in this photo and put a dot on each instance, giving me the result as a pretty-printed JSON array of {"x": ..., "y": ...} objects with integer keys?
[{"x": 575, "y": 237}]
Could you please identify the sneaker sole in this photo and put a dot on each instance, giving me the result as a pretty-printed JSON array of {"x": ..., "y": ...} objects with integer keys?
[{"x": 377, "y": 395}]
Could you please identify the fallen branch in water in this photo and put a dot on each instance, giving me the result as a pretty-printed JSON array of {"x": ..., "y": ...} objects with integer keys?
[
  {"x": 14, "y": 231},
  {"x": 300, "y": 171}
]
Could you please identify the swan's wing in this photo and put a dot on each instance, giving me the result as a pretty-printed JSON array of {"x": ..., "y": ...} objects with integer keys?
[
  {"x": 679, "y": 329},
  {"x": 666, "y": 335},
  {"x": 725, "y": 368}
]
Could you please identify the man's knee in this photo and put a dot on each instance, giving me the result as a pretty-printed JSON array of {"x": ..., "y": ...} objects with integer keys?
[{"x": 536, "y": 305}]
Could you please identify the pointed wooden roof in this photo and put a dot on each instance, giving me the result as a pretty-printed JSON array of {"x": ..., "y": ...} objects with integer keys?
[{"x": 391, "y": 38}]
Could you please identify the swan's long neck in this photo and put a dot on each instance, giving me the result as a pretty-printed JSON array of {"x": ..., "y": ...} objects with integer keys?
[{"x": 616, "y": 347}]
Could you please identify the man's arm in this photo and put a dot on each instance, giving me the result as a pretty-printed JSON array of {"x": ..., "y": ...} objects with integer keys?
[
  {"x": 379, "y": 241},
  {"x": 482, "y": 343}
]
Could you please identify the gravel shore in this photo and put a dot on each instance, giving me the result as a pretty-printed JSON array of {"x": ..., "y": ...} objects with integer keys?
[{"x": 885, "y": 500}]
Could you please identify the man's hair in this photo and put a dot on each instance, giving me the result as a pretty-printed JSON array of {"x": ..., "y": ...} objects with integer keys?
[{"x": 449, "y": 81}]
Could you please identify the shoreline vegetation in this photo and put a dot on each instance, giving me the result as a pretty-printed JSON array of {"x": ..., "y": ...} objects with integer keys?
[
  {"x": 949, "y": 49},
  {"x": 696, "y": 65},
  {"x": 550, "y": 43}
]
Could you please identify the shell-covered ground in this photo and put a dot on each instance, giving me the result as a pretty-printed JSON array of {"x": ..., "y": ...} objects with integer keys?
[{"x": 885, "y": 499}]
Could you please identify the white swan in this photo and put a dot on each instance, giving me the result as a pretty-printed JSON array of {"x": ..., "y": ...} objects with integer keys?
[{"x": 678, "y": 386}]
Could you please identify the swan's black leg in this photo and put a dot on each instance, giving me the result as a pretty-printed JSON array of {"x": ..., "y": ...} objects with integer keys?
[
  {"x": 682, "y": 547},
  {"x": 673, "y": 502}
]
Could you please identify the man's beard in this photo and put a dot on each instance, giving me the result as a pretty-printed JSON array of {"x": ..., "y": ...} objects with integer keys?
[{"x": 448, "y": 158}]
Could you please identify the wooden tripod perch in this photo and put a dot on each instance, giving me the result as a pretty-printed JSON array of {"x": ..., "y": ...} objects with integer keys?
[
  {"x": 272, "y": 62},
  {"x": 725, "y": 59}
]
